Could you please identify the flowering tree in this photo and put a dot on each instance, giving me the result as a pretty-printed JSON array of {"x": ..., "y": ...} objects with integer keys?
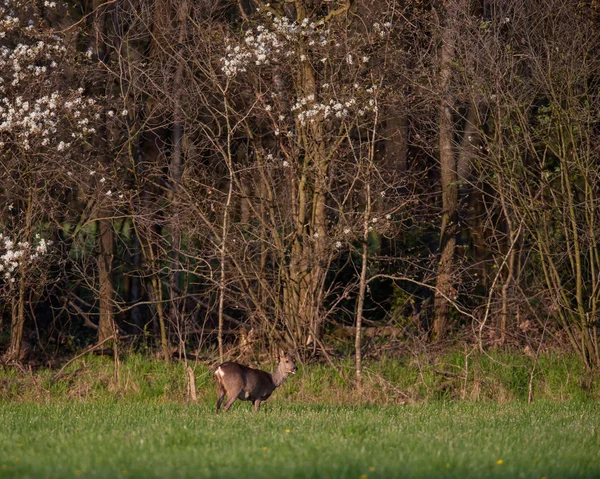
[
  {"x": 251, "y": 167},
  {"x": 44, "y": 124},
  {"x": 19, "y": 263},
  {"x": 305, "y": 81}
]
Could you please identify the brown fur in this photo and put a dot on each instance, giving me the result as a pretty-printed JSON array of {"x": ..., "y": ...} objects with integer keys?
[{"x": 236, "y": 381}]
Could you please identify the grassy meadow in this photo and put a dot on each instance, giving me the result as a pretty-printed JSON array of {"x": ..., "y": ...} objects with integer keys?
[
  {"x": 453, "y": 440},
  {"x": 419, "y": 418}
]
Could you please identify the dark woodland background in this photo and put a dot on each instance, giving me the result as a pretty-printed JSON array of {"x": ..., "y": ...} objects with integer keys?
[{"x": 344, "y": 178}]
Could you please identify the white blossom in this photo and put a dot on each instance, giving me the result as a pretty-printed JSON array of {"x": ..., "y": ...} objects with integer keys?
[
  {"x": 264, "y": 45},
  {"x": 17, "y": 254}
]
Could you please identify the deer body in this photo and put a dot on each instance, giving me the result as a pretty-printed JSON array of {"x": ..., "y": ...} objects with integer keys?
[{"x": 248, "y": 384}]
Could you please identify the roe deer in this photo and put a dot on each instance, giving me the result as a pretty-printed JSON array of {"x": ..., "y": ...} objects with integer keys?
[{"x": 247, "y": 384}]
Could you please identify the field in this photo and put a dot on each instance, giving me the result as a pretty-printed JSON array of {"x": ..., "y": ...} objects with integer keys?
[{"x": 109, "y": 439}]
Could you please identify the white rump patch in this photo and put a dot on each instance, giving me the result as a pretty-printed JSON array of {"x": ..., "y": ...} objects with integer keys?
[{"x": 220, "y": 372}]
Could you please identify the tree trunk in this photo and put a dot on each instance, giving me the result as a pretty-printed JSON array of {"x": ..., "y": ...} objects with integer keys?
[
  {"x": 175, "y": 168},
  {"x": 18, "y": 304},
  {"x": 306, "y": 272},
  {"x": 396, "y": 141},
  {"x": 449, "y": 181},
  {"x": 362, "y": 286},
  {"x": 222, "y": 259},
  {"x": 18, "y": 321},
  {"x": 360, "y": 306},
  {"x": 106, "y": 325},
  {"x": 135, "y": 290}
]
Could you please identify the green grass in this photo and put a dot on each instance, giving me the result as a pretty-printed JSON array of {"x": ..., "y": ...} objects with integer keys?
[
  {"x": 111, "y": 439},
  {"x": 499, "y": 376}
]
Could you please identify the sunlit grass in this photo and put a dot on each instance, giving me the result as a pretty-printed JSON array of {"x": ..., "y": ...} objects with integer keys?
[
  {"x": 495, "y": 376},
  {"x": 102, "y": 439}
]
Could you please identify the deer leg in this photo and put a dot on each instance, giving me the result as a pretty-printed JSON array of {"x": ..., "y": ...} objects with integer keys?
[
  {"x": 220, "y": 392},
  {"x": 230, "y": 401},
  {"x": 257, "y": 405},
  {"x": 220, "y": 400}
]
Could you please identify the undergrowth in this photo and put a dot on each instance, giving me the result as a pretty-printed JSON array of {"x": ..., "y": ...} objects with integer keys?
[{"x": 497, "y": 376}]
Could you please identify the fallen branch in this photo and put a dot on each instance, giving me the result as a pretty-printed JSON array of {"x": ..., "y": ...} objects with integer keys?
[{"x": 88, "y": 350}]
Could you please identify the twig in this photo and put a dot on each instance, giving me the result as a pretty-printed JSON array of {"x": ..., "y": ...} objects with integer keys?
[
  {"x": 88, "y": 350},
  {"x": 389, "y": 385},
  {"x": 28, "y": 372},
  {"x": 109, "y": 2}
]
